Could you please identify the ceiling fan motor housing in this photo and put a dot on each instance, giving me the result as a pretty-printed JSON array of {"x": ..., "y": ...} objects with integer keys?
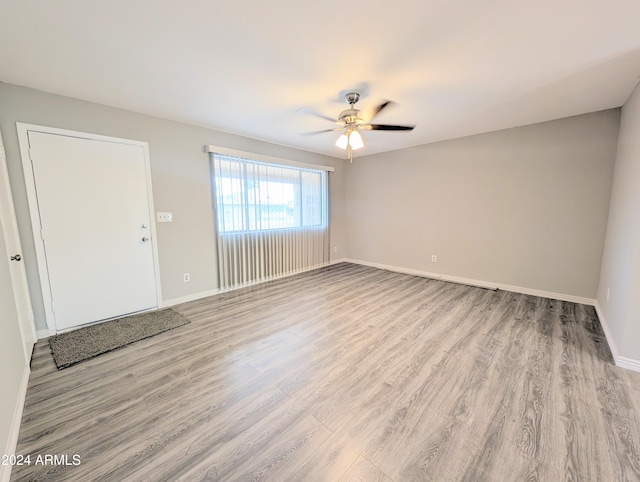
[
  {"x": 350, "y": 123},
  {"x": 349, "y": 117}
]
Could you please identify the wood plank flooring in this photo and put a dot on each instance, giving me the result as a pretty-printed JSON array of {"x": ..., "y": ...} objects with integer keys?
[{"x": 341, "y": 374}]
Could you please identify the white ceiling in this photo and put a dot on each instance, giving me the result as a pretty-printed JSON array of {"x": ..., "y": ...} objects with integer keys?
[{"x": 248, "y": 67}]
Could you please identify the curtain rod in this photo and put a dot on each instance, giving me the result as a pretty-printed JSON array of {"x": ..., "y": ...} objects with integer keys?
[{"x": 260, "y": 157}]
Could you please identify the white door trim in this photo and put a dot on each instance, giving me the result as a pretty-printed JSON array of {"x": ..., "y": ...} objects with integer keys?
[
  {"x": 17, "y": 271},
  {"x": 23, "y": 130}
]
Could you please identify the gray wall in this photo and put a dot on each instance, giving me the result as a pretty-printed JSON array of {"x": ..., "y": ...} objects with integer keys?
[
  {"x": 525, "y": 207},
  {"x": 180, "y": 176},
  {"x": 621, "y": 258}
]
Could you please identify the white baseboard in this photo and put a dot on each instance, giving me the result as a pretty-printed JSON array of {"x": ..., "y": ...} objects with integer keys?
[
  {"x": 341, "y": 260},
  {"x": 628, "y": 363},
  {"x": 14, "y": 431},
  {"x": 479, "y": 283},
  {"x": 620, "y": 361},
  {"x": 426, "y": 274},
  {"x": 187, "y": 298},
  {"x": 548, "y": 294},
  {"x": 205, "y": 294}
]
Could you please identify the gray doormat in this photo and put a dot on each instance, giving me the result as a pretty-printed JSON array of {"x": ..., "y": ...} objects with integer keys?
[{"x": 84, "y": 343}]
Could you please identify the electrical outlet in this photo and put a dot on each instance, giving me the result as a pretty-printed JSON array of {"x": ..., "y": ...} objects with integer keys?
[
  {"x": 335, "y": 249},
  {"x": 434, "y": 258},
  {"x": 186, "y": 277}
]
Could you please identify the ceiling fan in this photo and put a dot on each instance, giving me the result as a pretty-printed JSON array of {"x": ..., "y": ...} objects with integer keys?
[{"x": 353, "y": 120}]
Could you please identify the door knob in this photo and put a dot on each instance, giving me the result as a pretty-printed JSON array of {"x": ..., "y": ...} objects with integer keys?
[
  {"x": 144, "y": 226},
  {"x": 17, "y": 257},
  {"x": 145, "y": 239}
]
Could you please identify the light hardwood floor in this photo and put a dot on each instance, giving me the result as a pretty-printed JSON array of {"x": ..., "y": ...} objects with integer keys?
[{"x": 346, "y": 373}]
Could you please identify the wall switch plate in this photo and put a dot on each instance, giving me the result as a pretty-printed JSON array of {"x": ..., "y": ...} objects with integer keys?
[
  {"x": 335, "y": 249},
  {"x": 164, "y": 217}
]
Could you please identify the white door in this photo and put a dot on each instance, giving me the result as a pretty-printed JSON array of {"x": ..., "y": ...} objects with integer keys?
[
  {"x": 12, "y": 250},
  {"x": 94, "y": 214}
]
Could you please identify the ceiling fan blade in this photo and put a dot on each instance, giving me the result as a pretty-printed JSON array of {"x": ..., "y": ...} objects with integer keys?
[
  {"x": 369, "y": 113},
  {"x": 315, "y": 113},
  {"x": 385, "y": 127},
  {"x": 322, "y": 131}
]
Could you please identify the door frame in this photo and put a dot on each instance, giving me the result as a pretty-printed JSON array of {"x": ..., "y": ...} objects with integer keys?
[
  {"x": 17, "y": 270},
  {"x": 23, "y": 132}
]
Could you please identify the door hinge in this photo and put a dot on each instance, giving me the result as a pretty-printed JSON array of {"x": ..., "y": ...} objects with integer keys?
[
  {"x": 42, "y": 234},
  {"x": 52, "y": 308}
]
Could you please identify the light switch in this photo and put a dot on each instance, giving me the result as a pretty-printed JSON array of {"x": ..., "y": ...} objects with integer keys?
[{"x": 164, "y": 217}]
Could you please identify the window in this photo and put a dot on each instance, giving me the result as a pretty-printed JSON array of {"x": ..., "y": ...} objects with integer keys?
[
  {"x": 258, "y": 196},
  {"x": 271, "y": 219}
]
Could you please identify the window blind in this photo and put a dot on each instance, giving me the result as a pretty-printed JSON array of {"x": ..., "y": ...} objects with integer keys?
[{"x": 270, "y": 219}]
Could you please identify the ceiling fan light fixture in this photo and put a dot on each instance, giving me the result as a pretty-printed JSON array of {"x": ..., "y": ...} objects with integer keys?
[
  {"x": 355, "y": 140},
  {"x": 342, "y": 141},
  {"x": 351, "y": 120}
]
